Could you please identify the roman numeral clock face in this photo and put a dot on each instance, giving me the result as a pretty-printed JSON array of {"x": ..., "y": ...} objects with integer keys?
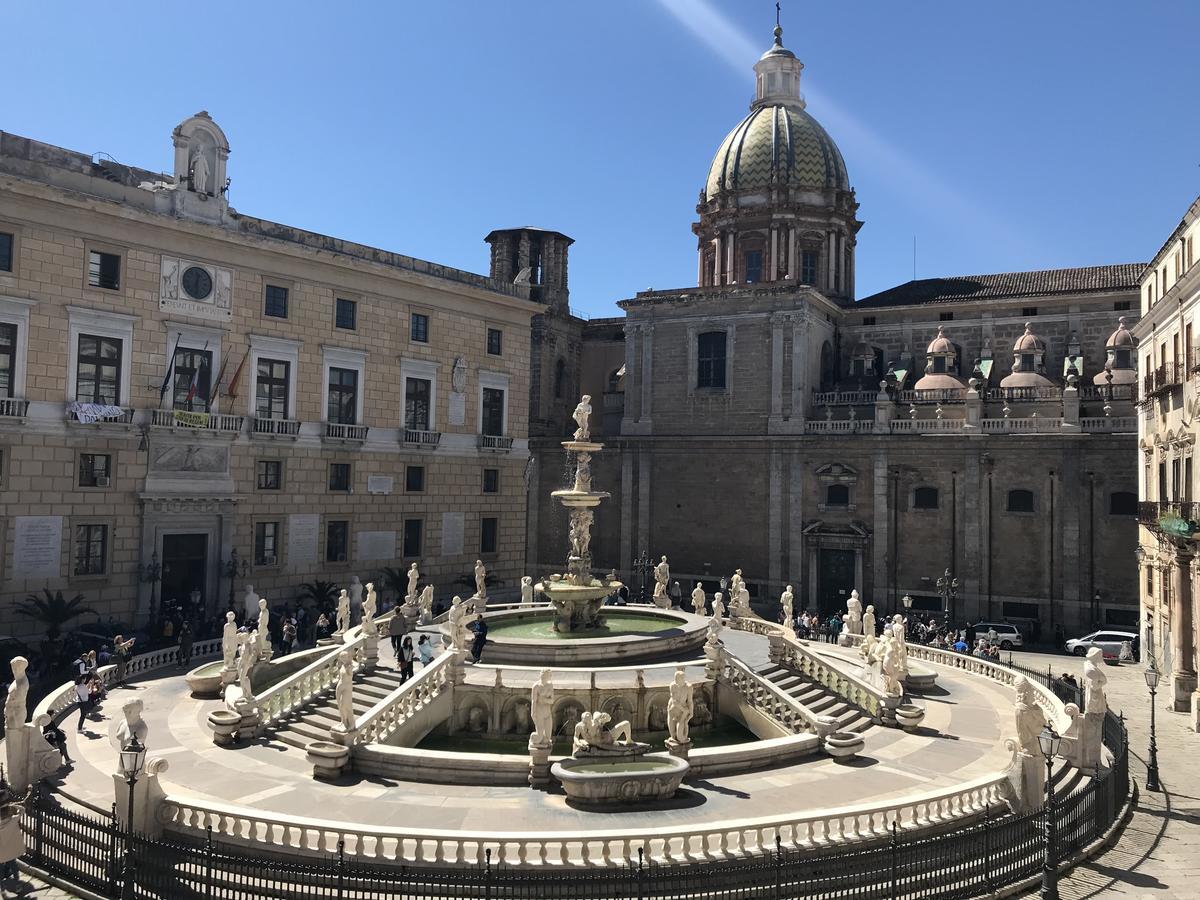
[{"x": 197, "y": 283}]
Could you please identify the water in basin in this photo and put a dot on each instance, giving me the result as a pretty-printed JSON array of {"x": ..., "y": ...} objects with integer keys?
[
  {"x": 541, "y": 627},
  {"x": 622, "y": 767}
]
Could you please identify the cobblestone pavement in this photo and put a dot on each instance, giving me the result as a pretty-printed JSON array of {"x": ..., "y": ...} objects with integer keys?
[
  {"x": 1158, "y": 855},
  {"x": 28, "y": 886}
]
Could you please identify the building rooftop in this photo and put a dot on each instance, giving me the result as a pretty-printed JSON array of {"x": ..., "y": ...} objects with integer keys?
[{"x": 1045, "y": 283}]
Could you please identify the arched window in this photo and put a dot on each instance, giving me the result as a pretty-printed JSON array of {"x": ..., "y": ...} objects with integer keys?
[
  {"x": 560, "y": 377},
  {"x": 710, "y": 360},
  {"x": 925, "y": 498},
  {"x": 837, "y": 495},
  {"x": 1122, "y": 503},
  {"x": 1020, "y": 501}
]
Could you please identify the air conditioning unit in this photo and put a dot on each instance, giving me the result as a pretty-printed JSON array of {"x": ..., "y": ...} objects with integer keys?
[
  {"x": 101, "y": 481},
  {"x": 268, "y": 561}
]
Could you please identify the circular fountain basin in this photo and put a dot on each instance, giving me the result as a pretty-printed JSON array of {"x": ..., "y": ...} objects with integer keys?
[
  {"x": 620, "y": 781},
  {"x": 631, "y": 634}
]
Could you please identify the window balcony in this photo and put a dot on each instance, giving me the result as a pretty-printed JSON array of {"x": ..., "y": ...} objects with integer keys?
[
  {"x": 275, "y": 428},
  {"x": 495, "y": 443},
  {"x": 1162, "y": 380},
  {"x": 78, "y": 413},
  {"x": 346, "y": 434},
  {"x": 11, "y": 408},
  {"x": 192, "y": 422},
  {"x": 1176, "y": 518},
  {"x": 414, "y": 437}
]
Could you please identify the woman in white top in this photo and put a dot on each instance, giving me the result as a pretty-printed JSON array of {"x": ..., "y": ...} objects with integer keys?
[{"x": 84, "y": 695}]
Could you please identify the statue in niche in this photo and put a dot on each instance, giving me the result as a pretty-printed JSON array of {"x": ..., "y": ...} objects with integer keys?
[
  {"x": 200, "y": 173},
  {"x": 581, "y": 415},
  {"x": 680, "y": 708},
  {"x": 458, "y": 375},
  {"x": 476, "y": 720},
  {"x": 594, "y": 733},
  {"x": 170, "y": 278},
  {"x": 516, "y": 718},
  {"x": 703, "y": 712},
  {"x": 541, "y": 701},
  {"x": 657, "y": 720}
]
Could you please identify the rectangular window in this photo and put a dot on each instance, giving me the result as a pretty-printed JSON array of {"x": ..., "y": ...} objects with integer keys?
[
  {"x": 414, "y": 479},
  {"x": 754, "y": 266},
  {"x": 104, "y": 270},
  {"x": 346, "y": 314},
  {"x": 419, "y": 328},
  {"x": 266, "y": 543},
  {"x": 413, "y": 533},
  {"x": 8, "y": 358},
  {"x": 337, "y": 540},
  {"x": 98, "y": 370},
  {"x": 1028, "y": 312},
  {"x": 491, "y": 481},
  {"x": 495, "y": 341},
  {"x": 1122, "y": 305},
  {"x": 946, "y": 317},
  {"x": 488, "y": 528},
  {"x": 868, "y": 320},
  {"x": 342, "y": 406},
  {"x": 192, "y": 374},
  {"x": 339, "y": 476},
  {"x": 6, "y": 252},
  {"x": 417, "y": 392},
  {"x": 710, "y": 360},
  {"x": 493, "y": 411},
  {"x": 271, "y": 390},
  {"x": 275, "y": 301},
  {"x": 95, "y": 469},
  {"x": 808, "y": 267},
  {"x": 270, "y": 475},
  {"x": 91, "y": 549}
]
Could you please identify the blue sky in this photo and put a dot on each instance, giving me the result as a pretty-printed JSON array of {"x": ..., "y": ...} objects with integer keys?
[{"x": 1004, "y": 136}]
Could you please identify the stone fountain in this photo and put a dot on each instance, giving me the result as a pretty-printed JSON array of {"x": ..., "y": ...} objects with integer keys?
[{"x": 577, "y": 597}]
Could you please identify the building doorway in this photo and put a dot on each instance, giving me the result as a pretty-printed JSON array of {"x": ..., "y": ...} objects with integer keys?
[
  {"x": 184, "y": 568},
  {"x": 835, "y": 580}
]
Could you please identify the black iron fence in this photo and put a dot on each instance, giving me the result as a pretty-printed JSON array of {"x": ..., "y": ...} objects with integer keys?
[
  {"x": 95, "y": 853},
  {"x": 1066, "y": 691}
]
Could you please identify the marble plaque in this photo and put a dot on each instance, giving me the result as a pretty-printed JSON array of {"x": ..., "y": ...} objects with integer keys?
[
  {"x": 376, "y": 545},
  {"x": 453, "y": 528},
  {"x": 380, "y": 484},
  {"x": 303, "y": 544},
  {"x": 457, "y": 408},
  {"x": 37, "y": 546}
]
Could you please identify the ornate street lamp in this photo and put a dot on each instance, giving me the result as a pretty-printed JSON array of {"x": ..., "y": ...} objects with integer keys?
[
  {"x": 641, "y": 565},
  {"x": 947, "y": 586},
  {"x": 231, "y": 568},
  {"x": 1151, "y": 674},
  {"x": 133, "y": 755},
  {"x": 1048, "y": 742},
  {"x": 151, "y": 572}
]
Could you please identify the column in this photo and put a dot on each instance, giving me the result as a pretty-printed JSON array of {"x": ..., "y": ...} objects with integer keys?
[
  {"x": 830, "y": 261},
  {"x": 773, "y": 264},
  {"x": 778, "y": 320},
  {"x": 718, "y": 258},
  {"x": 627, "y": 500},
  {"x": 643, "y": 498},
  {"x": 881, "y": 534},
  {"x": 647, "y": 375},
  {"x": 793, "y": 249},
  {"x": 795, "y": 522},
  {"x": 533, "y": 509},
  {"x": 775, "y": 505},
  {"x": 629, "y": 416},
  {"x": 730, "y": 272},
  {"x": 1183, "y": 649},
  {"x": 799, "y": 371}
]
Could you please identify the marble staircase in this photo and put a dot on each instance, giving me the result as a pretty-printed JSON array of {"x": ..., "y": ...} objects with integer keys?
[
  {"x": 312, "y": 722},
  {"x": 817, "y": 698}
]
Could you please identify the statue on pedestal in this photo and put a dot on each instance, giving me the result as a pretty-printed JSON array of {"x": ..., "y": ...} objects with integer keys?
[
  {"x": 526, "y": 591},
  {"x": 480, "y": 580},
  {"x": 132, "y": 725},
  {"x": 786, "y": 600},
  {"x": 868, "y": 621},
  {"x": 356, "y": 598},
  {"x": 343, "y": 612},
  {"x": 581, "y": 415},
  {"x": 344, "y": 693},
  {"x": 889, "y": 664},
  {"x": 662, "y": 575},
  {"x": 541, "y": 707},
  {"x": 250, "y": 603},
  {"x": 1030, "y": 774},
  {"x": 368, "y": 612},
  {"x": 413, "y": 577},
  {"x": 247, "y": 658},
  {"x": 679, "y": 708},
  {"x": 264, "y": 637},
  {"x": 457, "y": 620},
  {"x": 229, "y": 641},
  {"x": 1095, "y": 702},
  {"x": 699, "y": 600},
  {"x": 718, "y": 606},
  {"x": 426, "y": 604},
  {"x": 854, "y": 611},
  {"x": 18, "y": 693},
  {"x": 595, "y": 737}
]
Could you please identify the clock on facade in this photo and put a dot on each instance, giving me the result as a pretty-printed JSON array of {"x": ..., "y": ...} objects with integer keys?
[{"x": 197, "y": 282}]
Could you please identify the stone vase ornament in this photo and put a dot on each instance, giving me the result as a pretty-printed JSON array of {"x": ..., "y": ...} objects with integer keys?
[
  {"x": 844, "y": 745},
  {"x": 909, "y": 716}
]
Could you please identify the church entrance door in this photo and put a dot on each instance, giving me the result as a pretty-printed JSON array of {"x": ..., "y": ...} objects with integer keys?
[
  {"x": 836, "y": 579},
  {"x": 184, "y": 567}
]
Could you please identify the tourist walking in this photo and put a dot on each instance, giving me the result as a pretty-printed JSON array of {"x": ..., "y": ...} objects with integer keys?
[
  {"x": 396, "y": 632},
  {"x": 479, "y": 626},
  {"x": 288, "y": 636},
  {"x": 405, "y": 658},
  {"x": 186, "y": 639},
  {"x": 84, "y": 695},
  {"x": 121, "y": 653}
]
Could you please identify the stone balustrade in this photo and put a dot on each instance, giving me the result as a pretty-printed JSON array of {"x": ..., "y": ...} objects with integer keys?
[
  {"x": 300, "y": 689},
  {"x": 379, "y": 722},
  {"x": 767, "y": 698}
]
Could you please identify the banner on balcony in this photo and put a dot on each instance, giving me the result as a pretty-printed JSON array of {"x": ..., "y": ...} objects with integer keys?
[
  {"x": 191, "y": 419},
  {"x": 1176, "y": 525}
]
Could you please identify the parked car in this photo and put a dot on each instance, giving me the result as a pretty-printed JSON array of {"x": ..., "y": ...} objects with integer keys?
[
  {"x": 1008, "y": 637},
  {"x": 1108, "y": 640}
]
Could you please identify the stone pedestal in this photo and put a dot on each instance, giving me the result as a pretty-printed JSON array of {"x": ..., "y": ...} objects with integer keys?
[
  {"x": 228, "y": 676},
  {"x": 1089, "y": 743},
  {"x": 147, "y": 798},
  {"x": 479, "y": 603},
  {"x": 1029, "y": 783},
  {"x": 458, "y": 667},
  {"x": 328, "y": 759},
  {"x": 411, "y": 613},
  {"x": 539, "y": 764},
  {"x": 844, "y": 638},
  {"x": 16, "y": 745},
  {"x": 677, "y": 749},
  {"x": 224, "y": 724},
  {"x": 249, "y": 718},
  {"x": 887, "y": 710},
  {"x": 370, "y": 651}
]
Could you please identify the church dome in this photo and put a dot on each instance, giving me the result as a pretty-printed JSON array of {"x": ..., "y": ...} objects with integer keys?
[
  {"x": 1122, "y": 337},
  {"x": 779, "y": 145}
]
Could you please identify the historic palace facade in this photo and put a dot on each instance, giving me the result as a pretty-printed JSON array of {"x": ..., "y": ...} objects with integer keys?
[{"x": 190, "y": 396}]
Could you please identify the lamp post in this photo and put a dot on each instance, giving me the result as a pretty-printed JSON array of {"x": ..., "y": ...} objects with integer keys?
[
  {"x": 947, "y": 587},
  {"x": 231, "y": 568},
  {"x": 132, "y": 756},
  {"x": 1152, "y": 766},
  {"x": 1048, "y": 742},
  {"x": 641, "y": 565},
  {"x": 151, "y": 572}
]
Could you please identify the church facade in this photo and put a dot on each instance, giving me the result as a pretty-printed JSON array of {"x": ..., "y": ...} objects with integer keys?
[{"x": 766, "y": 420}]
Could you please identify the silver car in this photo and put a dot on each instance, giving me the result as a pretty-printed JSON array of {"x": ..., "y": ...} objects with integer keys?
[
  {"x": 1007, "y": 636},
  {"x": 1108, "y": 640}
]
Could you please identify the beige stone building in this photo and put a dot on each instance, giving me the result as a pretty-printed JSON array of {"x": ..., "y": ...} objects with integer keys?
[
  {"x": 766, "y": 420},
  {"x": 181, "y": 382},
  {"x": 1170, "y": 400}
]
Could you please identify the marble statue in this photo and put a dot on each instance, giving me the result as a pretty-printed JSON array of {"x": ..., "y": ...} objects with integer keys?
[
  {"x": 901, "y": 643},
  {"x": 583, "y": 473},
  {"x": 580, "y": 535},
  {"x": 426, "y": 604},
  {"x": 457, "y": 619},
  {"x": 131, "y": 726},
  {"x": 480, "y": 580},
  {"x": 1029, "y": 777},
  {"x": 679, "y": 708},
  {"x": 581, "y": 415},
  {"x": 718, "y": 606},
  {"x": 735, "y": 585},
  {"x": 714, "y": 630},
  {"x": 250, "y": 603},
  {"x": 200, "y": 173},
  {"x": 247, "y": 657},
  {"x": 889, "y": 665},
  {"x": 541, "y": 705},
  {"x": 264, "y": 619},
  {"x": 344, "y": 693},
  {"x": 868, "y": 621},
  {"x": 343, "y": 612},
  {"x": 662, "y": 574},
  {"x": 854, "y": 611},
  {"x": 413, "y": 577},
  {"x": 741, "y": 601},
  {"x": 229, "y": 641},
  {"x": 1095, "y": 703},
  {"x": 699, "y": 600},
  {"x": 593, "y": 733},
  {"x": 786, "y": 600},
  {"x": 458, "y": 375},
  {"x": 356, "y": 598},
  {"x": 526, "y": 591},
  {"x": 369, "y": 606},
  {"x": 18, "y": 693}
]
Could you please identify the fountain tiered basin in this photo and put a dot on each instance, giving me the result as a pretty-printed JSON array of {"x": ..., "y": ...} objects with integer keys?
[{"x": 589, "y": 781}]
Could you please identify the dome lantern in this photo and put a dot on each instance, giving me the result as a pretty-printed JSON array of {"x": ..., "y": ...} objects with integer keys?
[{"x": 777, "y": 76}]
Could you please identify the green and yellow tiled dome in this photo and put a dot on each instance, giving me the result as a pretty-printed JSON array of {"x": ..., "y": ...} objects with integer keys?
[{"x": 780, "y": 141}]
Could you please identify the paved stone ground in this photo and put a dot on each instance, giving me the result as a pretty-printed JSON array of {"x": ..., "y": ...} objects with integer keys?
[{"x": 1158, "y": 855}]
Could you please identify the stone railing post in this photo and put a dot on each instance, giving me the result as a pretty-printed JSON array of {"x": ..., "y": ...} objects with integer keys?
[
  {"x": 1070, "y": 400},
  {"x": 148, "y": 797},
  {"x": 883, "y": 411},
  {"x": 974, "y": 407}
]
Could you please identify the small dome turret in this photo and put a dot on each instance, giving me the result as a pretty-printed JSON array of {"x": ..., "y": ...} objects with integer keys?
[
  {"x": 941, "y": 365},
  {"x": 1029, "y": 362},
  {"x": 1120, "y": 360}
]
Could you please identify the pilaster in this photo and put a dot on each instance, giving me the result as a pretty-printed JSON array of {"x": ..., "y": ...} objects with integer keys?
[
  {"x": 1183, "y": 647},
  {"x": 776, "y": 500}
]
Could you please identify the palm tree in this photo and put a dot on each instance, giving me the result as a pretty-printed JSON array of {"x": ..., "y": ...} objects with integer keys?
[
  {"x": 52, "y": 611},
  {"x": 321, "y": 593},
  {"x": 395, "y": 580}
]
